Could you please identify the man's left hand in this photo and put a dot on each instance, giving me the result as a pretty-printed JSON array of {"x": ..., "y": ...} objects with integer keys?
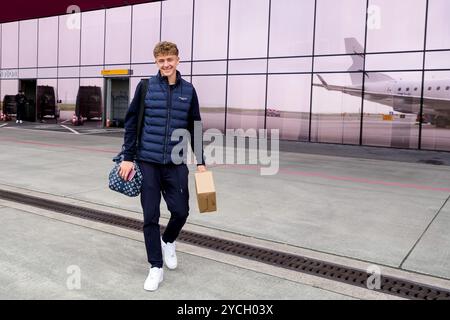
[{"x": 201, "y": 168}]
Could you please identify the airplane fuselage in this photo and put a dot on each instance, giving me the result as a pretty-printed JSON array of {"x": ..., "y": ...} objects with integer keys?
[
  {"x": 435, "y": 89},
  {"x": 405, "y": 96}
]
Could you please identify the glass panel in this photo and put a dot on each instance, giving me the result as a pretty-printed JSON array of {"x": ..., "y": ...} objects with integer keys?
[
  {"x": 117, "y": 67},
  {"x": 69, "y": 40},
  {"x": 47, "y": 72},
  {"x": 146, "y": 25},
  {"x": 69, "y": 72},
  {"x": 287, "y": 65},
  {"x": 211, "y": 96},
  {"x": 288, "y": 100},
  {"x": 8, "y": 87},
  {"x": 92, "y": 37},
  {"x": 90, "y": 99},
  {"x": 118, "y": 34},
  {"x": 10, "y": 45},
  {"x": 144, "y": 69},
  {"x": 395, "y": 61},
  {"x": 177, "y": 25},
  {"x": 28, "y": 43},
  {"x": 333, "y": 25},
  {"x": 391, "y": 106},
  {"x": 215, "y": 67},
  {"x": 94, "y": 71},
  {"x": 396, "y": 25},
  {"x": 28, "y": 73},
  {"x": 46, "y": 100},
  {"x": 247, "y": 66},
  {"x": 9, "y": 74},
  {"x": 48, "y": 82},
  {"x": 246, "y": 111},
  {"x": 338, "y": 63},
  {"x": 184, "y": 68},
  {"x": 336, "y": 111},
  {"x": 133, "y": 84},
  {"x": 67, "y": 95},
  {"x": 438, "y": 60},
  {"x": 291, "y": 27},
  {"x": 438, "y": 25},
  {"x": 210, "y": 15},
  {"x": 48, "y": 42},
  {"x": 249, "y": 40},
  {"x": 436, "y": 114}
]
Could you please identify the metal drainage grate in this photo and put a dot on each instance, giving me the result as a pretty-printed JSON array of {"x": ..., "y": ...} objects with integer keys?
[{"x": 389, "y": 285}]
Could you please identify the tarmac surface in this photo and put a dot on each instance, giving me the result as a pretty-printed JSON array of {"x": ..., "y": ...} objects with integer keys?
[{"x": 356, "y": 206}]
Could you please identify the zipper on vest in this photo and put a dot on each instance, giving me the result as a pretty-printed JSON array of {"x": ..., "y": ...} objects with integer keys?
[{"x": 169, "y": 105}]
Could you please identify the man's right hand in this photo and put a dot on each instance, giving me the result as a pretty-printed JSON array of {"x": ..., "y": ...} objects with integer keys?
[{"x": 125, "y": 169}]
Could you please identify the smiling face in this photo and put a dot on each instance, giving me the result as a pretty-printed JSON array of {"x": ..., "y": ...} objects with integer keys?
[
  {"x": 167, "y": 60},
  {"x": 167, "y": 65}
]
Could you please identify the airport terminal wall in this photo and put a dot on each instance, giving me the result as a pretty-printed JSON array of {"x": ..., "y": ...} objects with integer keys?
[{"x": 316, "y": 70}]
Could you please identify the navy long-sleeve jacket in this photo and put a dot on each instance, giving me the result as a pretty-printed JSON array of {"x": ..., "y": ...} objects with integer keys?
[{"x": 167, "y": 108}]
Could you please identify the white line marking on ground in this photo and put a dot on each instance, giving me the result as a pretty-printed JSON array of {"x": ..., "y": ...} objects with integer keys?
[
  {"x": 3, "y": 125},
  {"x": 97, "y": 131},
  {"x": 65, "y": 121},
  {"x": 38, "y": 130},
  {"x": 66, "y": 127}
]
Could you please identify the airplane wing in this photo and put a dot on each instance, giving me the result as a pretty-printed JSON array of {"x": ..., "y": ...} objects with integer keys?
[
  {"x": 354, "y": 91},
  {"x": 331, "y": 87}
]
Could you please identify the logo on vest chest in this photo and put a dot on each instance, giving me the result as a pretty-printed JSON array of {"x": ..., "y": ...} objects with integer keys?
[{"x": 182, "y": 98}]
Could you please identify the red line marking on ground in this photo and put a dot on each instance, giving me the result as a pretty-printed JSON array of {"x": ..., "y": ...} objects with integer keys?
[
  {"x": 339, "y": 178},
  {"x": 257, "y": 167},
  {"x": 55, "y": 145}
]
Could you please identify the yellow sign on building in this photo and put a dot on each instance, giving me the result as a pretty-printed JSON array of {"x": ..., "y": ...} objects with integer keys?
[{"x": 117, "y": 72}]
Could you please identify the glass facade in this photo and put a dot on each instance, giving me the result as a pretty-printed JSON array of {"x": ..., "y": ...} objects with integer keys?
[
  {"x": 47, "y": 44},
  {"x": 303, "y": 67}
]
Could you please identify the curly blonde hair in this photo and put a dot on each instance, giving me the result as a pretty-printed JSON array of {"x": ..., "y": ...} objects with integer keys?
[{"x": 165, "y": 48}]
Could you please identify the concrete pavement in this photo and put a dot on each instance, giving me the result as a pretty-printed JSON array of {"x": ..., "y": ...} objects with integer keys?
[{"x": 334, "y": 201}]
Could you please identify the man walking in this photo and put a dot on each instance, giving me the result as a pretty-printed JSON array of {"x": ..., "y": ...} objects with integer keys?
[
  {"x": 171, "y": 103},
  {"x": 20, "y": 105}
]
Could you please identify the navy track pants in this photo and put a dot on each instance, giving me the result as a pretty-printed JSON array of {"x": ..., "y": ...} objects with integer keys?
[{"x": 172, "y": 182}]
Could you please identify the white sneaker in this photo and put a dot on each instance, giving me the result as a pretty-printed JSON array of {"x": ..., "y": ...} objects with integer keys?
[
  {"x": 169, "y": 255},
  {"x": 20, "y": 121},
  {"x": 17, "y": 121},
  {"x": 154, "y": 278}
]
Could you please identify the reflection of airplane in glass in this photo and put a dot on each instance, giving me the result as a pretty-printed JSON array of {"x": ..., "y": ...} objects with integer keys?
[{"x": 402, "y": 95}]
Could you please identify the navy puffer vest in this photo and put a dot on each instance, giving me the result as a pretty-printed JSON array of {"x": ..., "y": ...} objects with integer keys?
[{"x": 166, "y": 109}]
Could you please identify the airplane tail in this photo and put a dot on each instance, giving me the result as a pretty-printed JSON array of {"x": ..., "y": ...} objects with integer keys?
[{"x": 352, "y": 46}]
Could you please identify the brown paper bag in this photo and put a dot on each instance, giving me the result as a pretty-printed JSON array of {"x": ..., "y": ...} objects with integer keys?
[{"x": 206, "y": 192}]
